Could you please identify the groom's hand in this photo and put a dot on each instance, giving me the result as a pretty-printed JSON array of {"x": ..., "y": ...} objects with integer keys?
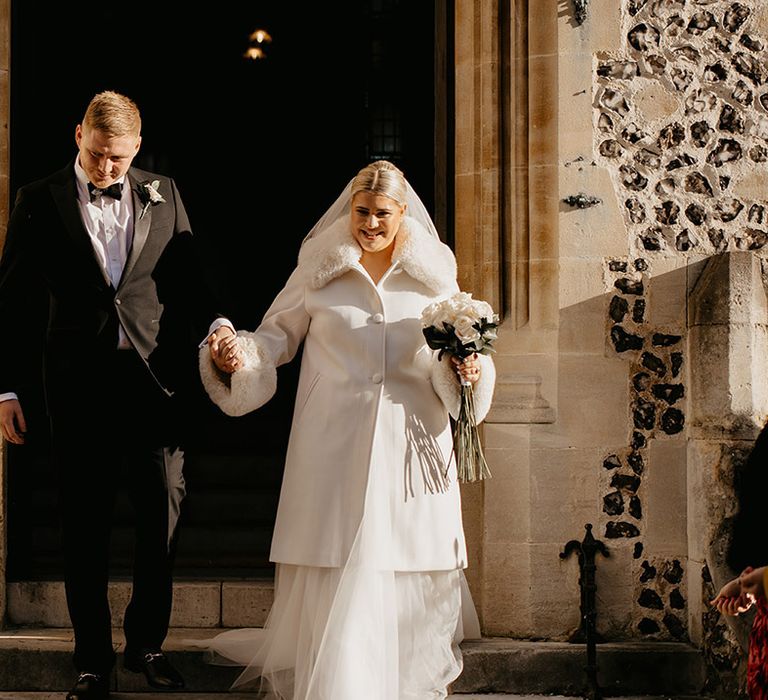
[
  {"x": 225, "y": 352},
  {"x": 12, "y": 421}
]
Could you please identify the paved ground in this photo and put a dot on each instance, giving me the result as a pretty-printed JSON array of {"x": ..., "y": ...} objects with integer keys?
[{"x": 6, "y": 695}]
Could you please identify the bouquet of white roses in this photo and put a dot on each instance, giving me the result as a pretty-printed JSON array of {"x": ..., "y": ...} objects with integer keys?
[{"x": 462, "y": 326}]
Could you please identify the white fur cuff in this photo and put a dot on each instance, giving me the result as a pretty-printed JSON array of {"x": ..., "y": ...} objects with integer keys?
[
  {"x": 246, "y": 389},
  {"x": 446, "y": 385}
]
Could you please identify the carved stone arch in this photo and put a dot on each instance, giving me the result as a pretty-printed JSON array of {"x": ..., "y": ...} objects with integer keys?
[{"x": 505, "y": 214}]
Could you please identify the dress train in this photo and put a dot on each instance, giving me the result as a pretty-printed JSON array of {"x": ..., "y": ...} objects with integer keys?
[{"x": 360, "y": 631}]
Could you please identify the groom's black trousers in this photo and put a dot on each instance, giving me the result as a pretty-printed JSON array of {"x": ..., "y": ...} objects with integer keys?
[{"x": 117, "y": 434}]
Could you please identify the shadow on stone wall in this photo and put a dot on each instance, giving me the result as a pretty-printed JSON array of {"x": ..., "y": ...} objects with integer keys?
[{"x": 665, "y": 373}]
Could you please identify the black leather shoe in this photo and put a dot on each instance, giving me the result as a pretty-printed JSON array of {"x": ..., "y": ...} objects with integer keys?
[
  {"x": 156, "y": 667},
  {"x": 89, "y": 686}
]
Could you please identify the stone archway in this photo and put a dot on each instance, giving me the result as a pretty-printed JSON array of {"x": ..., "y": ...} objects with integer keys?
[
  {"x": 506, "y": 237},
  {"x": 13, "y": 588}
]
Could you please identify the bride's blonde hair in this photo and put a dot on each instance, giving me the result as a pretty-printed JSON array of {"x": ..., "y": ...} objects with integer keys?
[{"x": 381, "y": 177}]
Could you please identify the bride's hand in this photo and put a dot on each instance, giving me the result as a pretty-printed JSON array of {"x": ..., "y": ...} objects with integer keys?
[
  {"x": 468, "y": 369},
  {"x": 225, "y": 351}
]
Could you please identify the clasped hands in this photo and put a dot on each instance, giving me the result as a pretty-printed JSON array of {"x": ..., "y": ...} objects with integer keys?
[
  {"x": 739, "y": 595},
  {"x": 228, "y": 356}
]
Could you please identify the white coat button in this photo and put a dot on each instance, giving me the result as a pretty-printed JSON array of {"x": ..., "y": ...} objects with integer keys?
[
  {"x": 377, "y": 378},
  {"x": 377, "y": 318},
  {"x": 118, "y": 302}
]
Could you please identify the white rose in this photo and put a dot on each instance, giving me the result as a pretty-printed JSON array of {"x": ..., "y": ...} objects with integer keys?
[
  {"x": 465, "y": 331},
  {"x": 483, "y": 310},
  {"x": 461, "y": 302},
  {"x": 432, "y": 314},
  {"x": 461, "y": 311}
]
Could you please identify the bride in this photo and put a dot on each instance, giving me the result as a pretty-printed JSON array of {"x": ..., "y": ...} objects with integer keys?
[{"x": 370, "y": 596}]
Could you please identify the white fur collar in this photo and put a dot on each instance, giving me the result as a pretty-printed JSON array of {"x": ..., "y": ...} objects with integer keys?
[{"x": 334, "y": 252}]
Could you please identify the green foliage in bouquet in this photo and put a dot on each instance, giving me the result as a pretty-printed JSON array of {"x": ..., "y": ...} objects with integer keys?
[{"x": 446, "y": 341}]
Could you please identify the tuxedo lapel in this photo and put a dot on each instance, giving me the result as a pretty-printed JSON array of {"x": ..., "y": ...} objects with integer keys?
[
  {"x": 141, "y": 226},
  {"x": 64, "y": 195}
]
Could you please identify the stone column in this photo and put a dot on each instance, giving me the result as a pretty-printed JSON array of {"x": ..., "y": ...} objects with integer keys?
[
  {"x": 476, "y": 187},
  {"x": 5, "y": 89},
  {"x": 506, "y": 246},
  {"x": 728, "y": 344}
]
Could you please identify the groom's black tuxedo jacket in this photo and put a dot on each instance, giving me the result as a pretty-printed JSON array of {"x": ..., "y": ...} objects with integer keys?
[{"x": 54, "y": 291}]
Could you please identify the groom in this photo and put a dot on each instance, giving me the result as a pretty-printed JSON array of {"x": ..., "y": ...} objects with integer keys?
[{"x": 109, "y": 247}]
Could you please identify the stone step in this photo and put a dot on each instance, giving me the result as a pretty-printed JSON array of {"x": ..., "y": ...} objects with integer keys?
[
  {"x": 252, "y": 696},
  {"x": 624, "y": 668},
  {"x": 208, "y": 604},
  {"x": 141, "y": 696},
  {"x": 40, "y": 660}
]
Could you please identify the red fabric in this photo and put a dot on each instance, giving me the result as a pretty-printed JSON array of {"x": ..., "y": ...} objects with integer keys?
[{"x": 757, "y": 661}]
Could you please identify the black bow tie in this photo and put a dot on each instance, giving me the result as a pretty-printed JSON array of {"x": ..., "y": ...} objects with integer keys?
[{"x": 115, "y": 190}]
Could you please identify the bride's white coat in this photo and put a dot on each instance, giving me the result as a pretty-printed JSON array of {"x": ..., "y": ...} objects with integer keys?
[{"x": 370, "y": 390}]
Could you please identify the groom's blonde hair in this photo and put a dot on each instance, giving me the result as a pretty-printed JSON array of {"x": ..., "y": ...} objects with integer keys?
[
  {"x": 381, "y": 177},
  {"x": 113, "y": 114}
]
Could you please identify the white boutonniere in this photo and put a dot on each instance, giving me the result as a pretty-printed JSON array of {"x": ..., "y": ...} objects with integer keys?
[{"x": 149, "y": 195}]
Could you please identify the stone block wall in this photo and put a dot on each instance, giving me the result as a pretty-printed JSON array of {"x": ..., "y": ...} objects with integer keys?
[
  {"x": 681, "y": 124},
  {"x": 660, "y": 386},
  {"x": 662, "y": 127}
]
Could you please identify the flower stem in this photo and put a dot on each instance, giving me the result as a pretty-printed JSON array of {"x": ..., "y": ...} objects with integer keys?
[{"x": 471, "y": 465}]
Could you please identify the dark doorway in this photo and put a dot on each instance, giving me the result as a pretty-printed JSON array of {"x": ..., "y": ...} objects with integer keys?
[{"x": 259, "y": 149}]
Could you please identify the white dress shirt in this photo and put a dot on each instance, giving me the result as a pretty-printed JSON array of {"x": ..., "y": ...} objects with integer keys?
[{"x": 109, "y": 223}]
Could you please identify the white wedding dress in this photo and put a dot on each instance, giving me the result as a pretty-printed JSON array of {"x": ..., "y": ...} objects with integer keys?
[
  {"x": 365, "y": 629},
  {"x": 334, "y": 631}
]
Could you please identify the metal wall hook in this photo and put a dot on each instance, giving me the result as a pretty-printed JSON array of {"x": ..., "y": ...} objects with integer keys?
[{"x": 582, "y": 201}]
